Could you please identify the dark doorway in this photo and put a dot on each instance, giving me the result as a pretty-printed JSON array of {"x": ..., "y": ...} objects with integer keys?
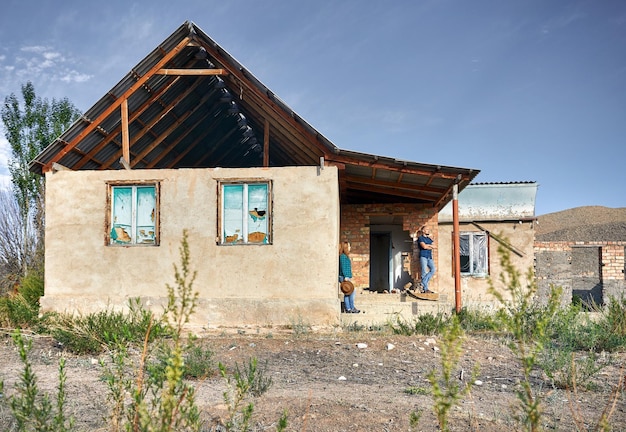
[
  {"x": 380, "y": 258},
  {"x": 586, "y": 275}
]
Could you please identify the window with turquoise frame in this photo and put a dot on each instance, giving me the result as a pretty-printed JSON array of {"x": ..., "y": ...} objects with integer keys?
[
  {"x": 134, "y": 215},
  {"x": 245, "y": 213}
]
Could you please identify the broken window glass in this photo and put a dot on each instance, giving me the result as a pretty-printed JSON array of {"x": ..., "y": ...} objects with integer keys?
[
  {"x": 133, "y": 215},
  {"x": 245, "y": 213}
]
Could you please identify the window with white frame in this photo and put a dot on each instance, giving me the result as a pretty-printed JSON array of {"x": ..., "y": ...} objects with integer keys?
[
  {"x": 245, "y": 214},
  {"x": 474, "y": 248},
  {"x": 134, "y": 214}
]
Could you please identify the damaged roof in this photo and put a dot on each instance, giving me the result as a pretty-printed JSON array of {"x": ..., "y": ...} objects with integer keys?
[{"x": 190, "y": 104}]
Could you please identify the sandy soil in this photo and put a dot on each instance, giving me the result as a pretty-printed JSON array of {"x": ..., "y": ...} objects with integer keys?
[{"x": 329, "y": 382}]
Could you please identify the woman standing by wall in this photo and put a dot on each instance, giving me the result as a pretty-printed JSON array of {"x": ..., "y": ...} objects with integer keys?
[{"x": 345, "y": 274}]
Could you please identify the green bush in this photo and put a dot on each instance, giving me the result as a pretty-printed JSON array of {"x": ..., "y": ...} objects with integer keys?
[
  {"x": 21, "y": 310},
  {"x": 198, "y": 360},
  {"x": 32, "y": 287},
  {"x": 91, "y": 333},
  {"x": 474, "y": 320},
  {"x": 612, "y": 325},
  {"x": 17, "y": 312},
  {"x": 567, "y": 368},
  {"x": 245, "y": 381},
  {"x": 527, "y": 326},
  {"x": 426, "y": 324},
  {"x": 31, "y": 410}
]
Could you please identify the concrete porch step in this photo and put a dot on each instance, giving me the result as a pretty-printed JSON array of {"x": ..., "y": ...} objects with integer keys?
[{"x": 379, "y": 309}]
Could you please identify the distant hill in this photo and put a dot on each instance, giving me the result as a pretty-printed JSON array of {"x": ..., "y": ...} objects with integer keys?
[{"x": 590, "y": 223}]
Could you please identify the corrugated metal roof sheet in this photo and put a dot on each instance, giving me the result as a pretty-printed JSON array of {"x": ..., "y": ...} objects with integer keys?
[
  {"x": 184, "y": 120},
  {"x": 494, "y": 202}
]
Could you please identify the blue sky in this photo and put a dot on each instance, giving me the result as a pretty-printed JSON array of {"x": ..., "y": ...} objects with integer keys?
[{"x": 529, "y": 90}]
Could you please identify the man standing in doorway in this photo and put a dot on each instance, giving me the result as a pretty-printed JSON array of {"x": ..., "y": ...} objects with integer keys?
[{"x": 426, "y": 246}]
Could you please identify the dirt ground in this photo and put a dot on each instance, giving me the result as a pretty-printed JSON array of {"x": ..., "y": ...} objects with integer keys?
[{"x": 343, "y": 381}]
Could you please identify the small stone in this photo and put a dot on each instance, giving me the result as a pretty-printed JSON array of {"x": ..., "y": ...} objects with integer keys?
[
  {"x": 342, "y": 378},
  {"x": 435, "y": 349},
  {"x": 355, "y": 365},
  {"x": 478, "y": 382}
]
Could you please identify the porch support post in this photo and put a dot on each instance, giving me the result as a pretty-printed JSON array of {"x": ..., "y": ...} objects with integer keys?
[{"x": 457, "y": 246}]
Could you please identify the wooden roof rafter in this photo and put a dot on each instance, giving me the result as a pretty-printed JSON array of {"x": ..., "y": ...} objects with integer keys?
[
  {"x": 239, "y": 76},
  {"x": 173, "y": 144},
  {"x": 167, "y": 132},
  {"x": 114, "y": 106},
  {"x": 148, "y": 128},
  {"x": 413, "y": 194},
  {"x": 397, "y": 167},
  {"x": 209, "y": 153},
  {"x": 394, "y": 185},
  {"x": 135, "y": 114},
  {"x": 280, "y": 127},
  {"x": 182, "y": 154}
]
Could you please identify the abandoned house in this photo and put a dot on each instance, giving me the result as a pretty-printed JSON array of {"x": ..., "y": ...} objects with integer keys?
[{"x": 190, "y": 140}]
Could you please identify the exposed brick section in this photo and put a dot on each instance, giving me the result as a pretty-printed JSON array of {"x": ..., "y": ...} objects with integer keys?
[
  {"x": 355, "y": 220},
  {"x": 553, "y": 266}
]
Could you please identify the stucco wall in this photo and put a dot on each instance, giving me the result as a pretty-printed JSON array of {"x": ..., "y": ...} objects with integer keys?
[
  {"x": 292, "y": 280},
  {"x": 474, "y": 290}
]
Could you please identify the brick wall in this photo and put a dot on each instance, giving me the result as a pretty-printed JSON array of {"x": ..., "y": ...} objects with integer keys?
[
  {"x": 553, "y": 266},
  {"x": 354, "y": 228}
]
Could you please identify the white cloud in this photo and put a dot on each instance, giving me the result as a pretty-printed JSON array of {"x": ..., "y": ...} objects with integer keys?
[
  {"x": 42, "y": 65},
  {"x": 75, "y": 76},
  {"x": 34, "y": 48}
]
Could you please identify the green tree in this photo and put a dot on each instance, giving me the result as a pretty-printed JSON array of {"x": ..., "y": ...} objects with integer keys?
[{"x": 29, "y": 129}]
